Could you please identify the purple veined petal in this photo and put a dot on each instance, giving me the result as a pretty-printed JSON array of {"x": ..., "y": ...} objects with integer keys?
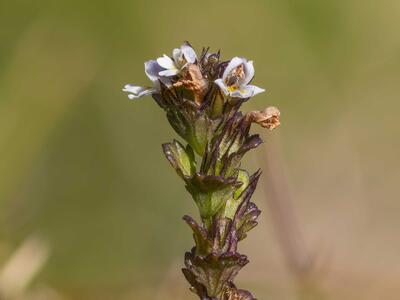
[
  {"x": 189, "y": 53},
  {"x": 152, "y": 68},
  {"x": 222, "y": 86},
  {"x": 169, "y": 73},
  {"x": 234, "y": 63},
  {"x": 239, "y": 94},
  {"x": 251, "y": 90},
  {"x": 166, "y": 62},
  {"x": 249, "y": 72}
]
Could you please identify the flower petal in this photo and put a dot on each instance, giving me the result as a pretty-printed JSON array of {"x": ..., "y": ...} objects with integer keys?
[
  {"x": 152, "y": 68},
  {"x": 169, "y": 73},
  {"x": 222, "y": 86},
  {"x": 166, "y": 62},
  {"x": 249, "y": 72},
  {"x": 240, "y": 94},
  {"x": 250, "y": 91},
  {"x": 134, "y": 89},
  {"x": 189, "y": 53},
  {"x": 234, "y": 63},
  {"x": 137, "y": 91},
  {"x": 177, "y": 54}
]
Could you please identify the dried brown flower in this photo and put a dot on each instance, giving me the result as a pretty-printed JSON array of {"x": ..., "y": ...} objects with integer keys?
[
  {"x": 268, "y": 118},
  {"x": 193, "y": 80}
]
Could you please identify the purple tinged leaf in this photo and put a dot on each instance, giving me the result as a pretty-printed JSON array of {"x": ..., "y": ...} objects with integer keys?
[{"x": 203, "y": 243}]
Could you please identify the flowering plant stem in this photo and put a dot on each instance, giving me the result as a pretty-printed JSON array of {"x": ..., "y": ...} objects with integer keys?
[{"x": 202, "y": 97}]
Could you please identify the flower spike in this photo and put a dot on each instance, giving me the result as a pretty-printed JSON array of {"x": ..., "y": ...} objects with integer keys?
[{"x": 215, "y": 136}]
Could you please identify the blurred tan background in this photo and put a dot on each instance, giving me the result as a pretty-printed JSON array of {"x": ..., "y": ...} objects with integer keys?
[{"x": 89, "y": 207}]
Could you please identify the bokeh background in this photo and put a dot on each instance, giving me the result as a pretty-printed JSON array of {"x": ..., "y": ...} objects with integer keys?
[{"x": 89, "y": 207}]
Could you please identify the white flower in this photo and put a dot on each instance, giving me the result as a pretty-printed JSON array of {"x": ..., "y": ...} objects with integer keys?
[
  {"x": 181, "y": 57},
  {"x": 152, "y": 70},
  {"x": 237, "y": 75}
]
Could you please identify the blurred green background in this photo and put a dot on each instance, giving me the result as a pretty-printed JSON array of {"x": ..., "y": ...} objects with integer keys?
[{"x": 89, "y": 207}]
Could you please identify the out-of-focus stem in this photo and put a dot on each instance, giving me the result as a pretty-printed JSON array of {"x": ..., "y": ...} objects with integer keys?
[{"x": 284, "y": 218}]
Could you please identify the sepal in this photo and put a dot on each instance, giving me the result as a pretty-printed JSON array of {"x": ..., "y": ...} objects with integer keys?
[
  {"x": 200, "y": 236},
  {"x": 191, "y": 122},
  {"x": 226, "y": 149}
]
